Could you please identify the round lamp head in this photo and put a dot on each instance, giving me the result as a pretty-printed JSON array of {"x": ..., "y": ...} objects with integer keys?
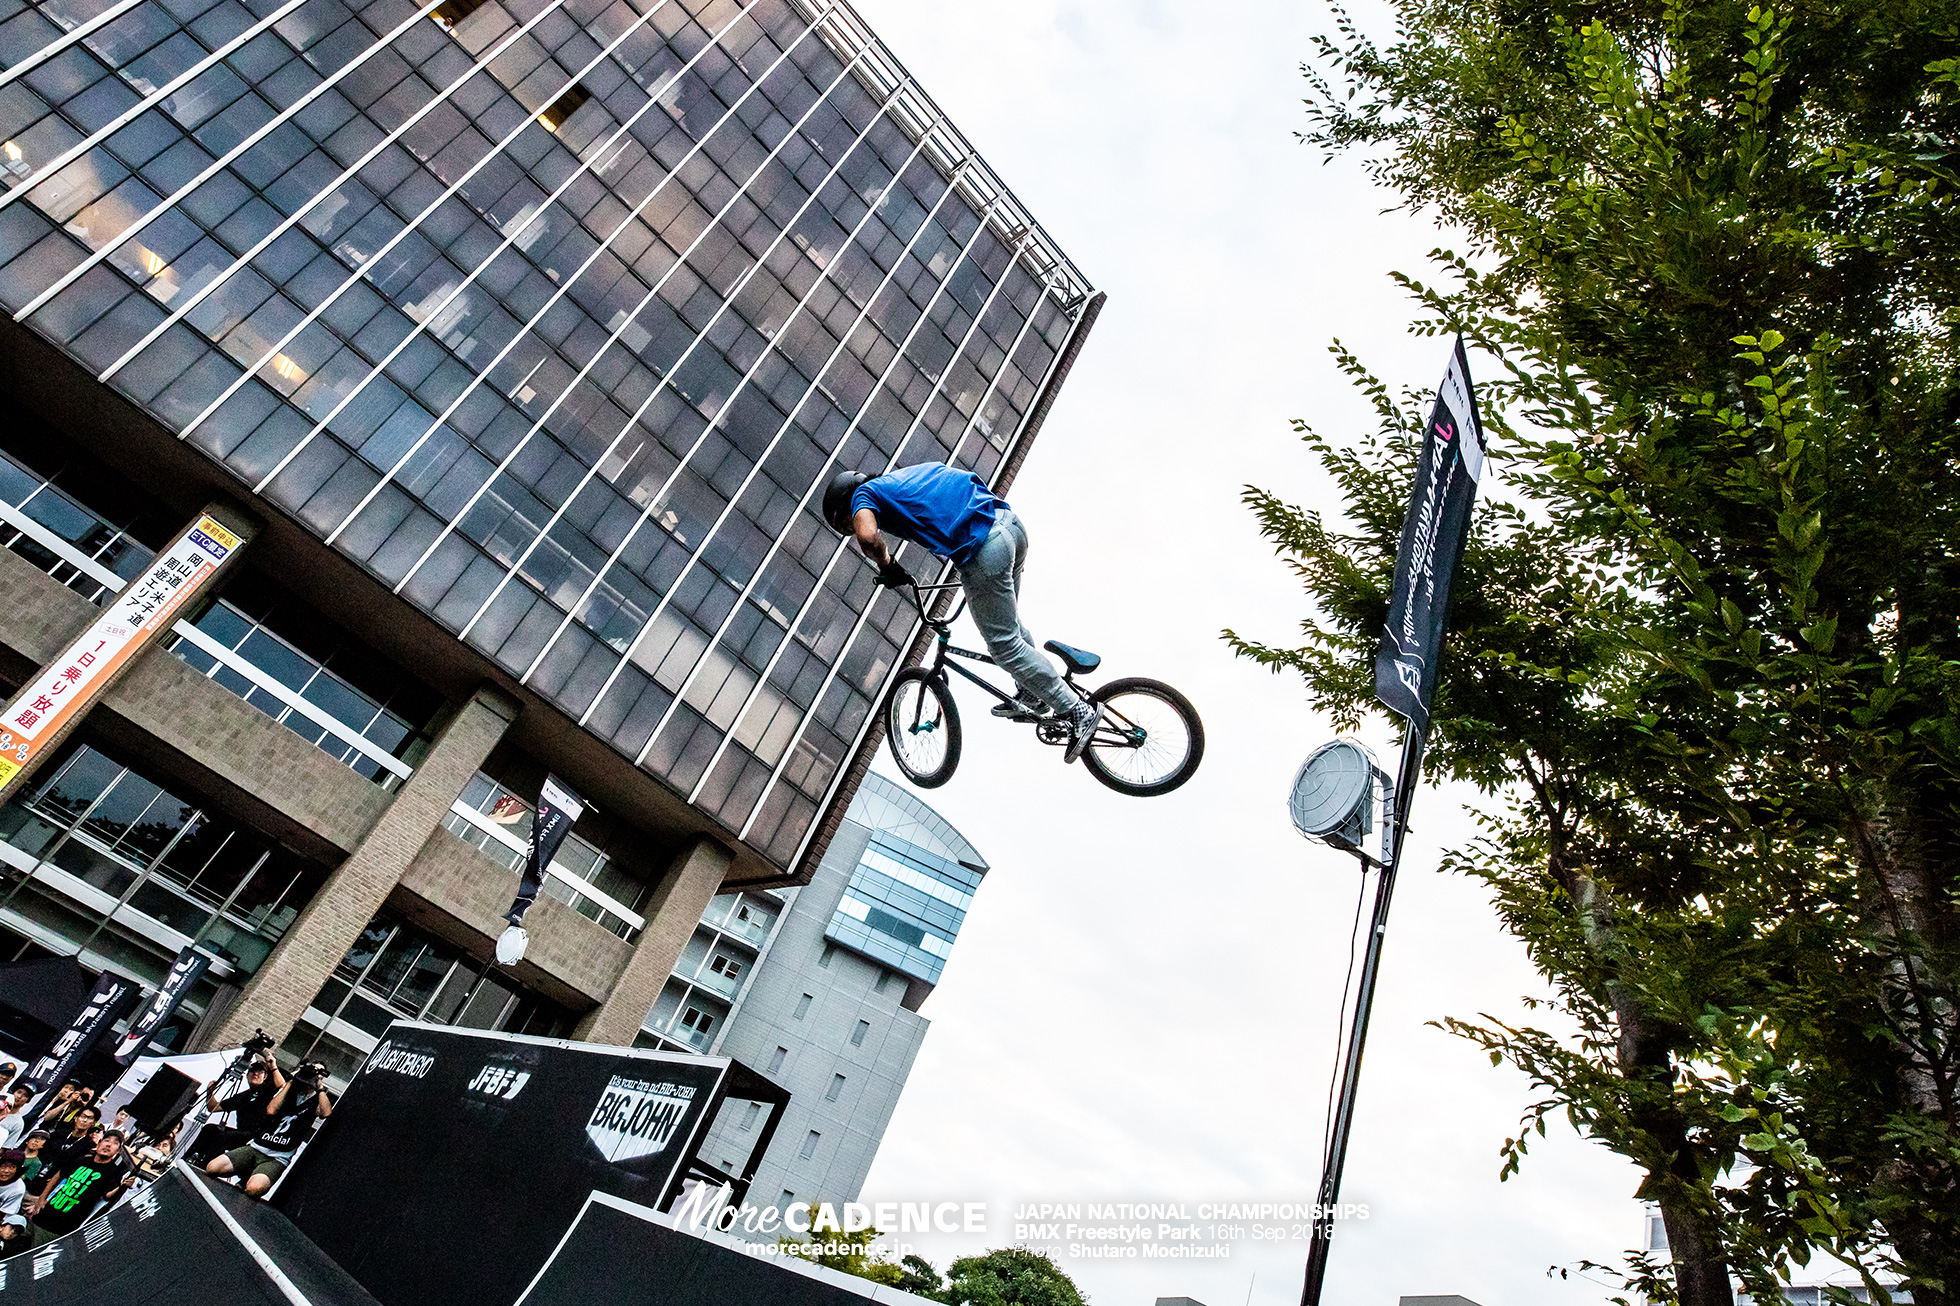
[
  {"x": 1333, "y": 796},
  {"x": 511, "y": 944}
]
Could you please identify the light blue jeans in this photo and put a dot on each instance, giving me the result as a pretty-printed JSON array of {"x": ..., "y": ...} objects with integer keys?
[{"x": 993, "y": 586}]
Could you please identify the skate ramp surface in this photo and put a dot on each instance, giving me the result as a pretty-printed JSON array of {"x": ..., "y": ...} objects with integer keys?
[{"x": 183, "y": 1241}]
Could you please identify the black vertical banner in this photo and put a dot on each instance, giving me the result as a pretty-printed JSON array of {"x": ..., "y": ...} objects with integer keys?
[
  {"x": 1433, "y": 535},
  {"x": 113, "y": 996},
  {"x": 186, "y": 971},
  {"x": 558, "y": 808}
]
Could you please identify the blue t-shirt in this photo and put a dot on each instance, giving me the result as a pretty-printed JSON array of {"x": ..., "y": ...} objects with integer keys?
[{"x": 944, "y": 510}]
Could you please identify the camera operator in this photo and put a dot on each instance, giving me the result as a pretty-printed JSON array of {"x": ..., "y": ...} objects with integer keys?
[
  {"x": 237, "y": 1116},
  {"x": 287, "y": 1121}
]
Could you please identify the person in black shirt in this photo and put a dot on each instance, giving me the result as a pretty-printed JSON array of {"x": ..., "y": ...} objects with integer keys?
[
  {"x": 70, "y": 1197},
  {"x": 235, "y": 1117},
  {"x": 286, "y": 1123},
  {"x": 64, "y": 1149}
]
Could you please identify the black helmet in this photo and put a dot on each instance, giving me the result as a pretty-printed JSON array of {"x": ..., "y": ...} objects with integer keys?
[{"x": 837, "y": 500}]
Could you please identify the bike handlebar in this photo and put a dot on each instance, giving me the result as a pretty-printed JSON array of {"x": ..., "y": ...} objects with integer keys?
[{"x": 918, "y": 598}]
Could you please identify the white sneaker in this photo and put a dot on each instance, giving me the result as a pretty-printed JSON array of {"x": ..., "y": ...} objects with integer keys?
[{"x": 1082, "y": 728}]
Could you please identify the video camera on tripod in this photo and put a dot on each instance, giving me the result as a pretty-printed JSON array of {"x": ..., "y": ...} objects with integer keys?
[{"x": 213, "y": 1134}]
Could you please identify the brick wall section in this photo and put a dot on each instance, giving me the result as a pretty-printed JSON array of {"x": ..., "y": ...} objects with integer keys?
[
  {"x": 278, "y": 994},
  {"x": 454, "y": 891},
  {"x": 167, "y": 699},
  {"x": 42, "y": 614},
  {"x": 672, "y": 912},
  {"x": 217, "y": 730}
]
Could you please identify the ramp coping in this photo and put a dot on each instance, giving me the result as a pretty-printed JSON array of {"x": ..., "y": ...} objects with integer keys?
[{"x": 250, "y": 1244}]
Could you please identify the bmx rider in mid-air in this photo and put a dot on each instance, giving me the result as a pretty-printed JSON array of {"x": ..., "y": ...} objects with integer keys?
[{"x": 951, "y": 514}]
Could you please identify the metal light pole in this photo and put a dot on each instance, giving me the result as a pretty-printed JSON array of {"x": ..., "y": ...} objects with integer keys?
[
  {"x": 1333, "y": 795},
  {"x": 1394, "y": 824}
]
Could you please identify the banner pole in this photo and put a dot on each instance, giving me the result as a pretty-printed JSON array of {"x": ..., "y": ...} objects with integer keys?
[
  {"x": 1435, "y": 529},
  {"x": 1336, "y": 1159}
]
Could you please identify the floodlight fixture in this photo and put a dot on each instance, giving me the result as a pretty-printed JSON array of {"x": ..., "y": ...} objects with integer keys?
[{"x": 1333, "y": 796}]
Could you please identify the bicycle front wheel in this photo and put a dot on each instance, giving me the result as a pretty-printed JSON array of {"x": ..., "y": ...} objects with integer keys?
[
  {"x": 922, "y": 728},
  {"x": 1150, "y": 740}
]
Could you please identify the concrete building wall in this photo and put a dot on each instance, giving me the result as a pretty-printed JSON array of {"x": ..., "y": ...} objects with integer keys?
[{"x": 819, "y": 1015}]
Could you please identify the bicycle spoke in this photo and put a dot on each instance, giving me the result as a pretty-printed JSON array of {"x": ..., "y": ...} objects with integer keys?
[
  {"x": 918, "y": 733},
  {"x": 1143, "y": 740}
]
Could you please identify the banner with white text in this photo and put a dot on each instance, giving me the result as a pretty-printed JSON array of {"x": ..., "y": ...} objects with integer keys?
[{"x": 1433, "y": 535}]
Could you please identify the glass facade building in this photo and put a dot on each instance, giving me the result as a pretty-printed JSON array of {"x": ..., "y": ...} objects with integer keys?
[
  {"x": 553, "y": 317},
  {"x": 911, "y": 887}
]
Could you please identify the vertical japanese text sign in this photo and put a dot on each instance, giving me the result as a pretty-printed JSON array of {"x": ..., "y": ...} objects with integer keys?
[{"x": 57, "y": 696}]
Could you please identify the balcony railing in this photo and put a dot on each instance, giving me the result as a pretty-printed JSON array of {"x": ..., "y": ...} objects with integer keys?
[
  {"x": 344, "y": 742},
  {"x": 43, "y": 524},
  {"x": 478, "y": 818}
]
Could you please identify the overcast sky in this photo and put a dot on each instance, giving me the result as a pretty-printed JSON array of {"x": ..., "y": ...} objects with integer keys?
[{"x": 1141, "y": 1006}]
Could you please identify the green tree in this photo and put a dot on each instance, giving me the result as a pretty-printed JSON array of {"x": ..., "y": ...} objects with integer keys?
[
  {"x": 1009, "y": 1276},
  {"x": 1705, "y": 655},
  {"x": 916, "y": 1275}
]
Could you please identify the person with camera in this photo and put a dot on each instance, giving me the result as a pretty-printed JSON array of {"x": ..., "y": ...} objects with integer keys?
[
  {"x": 286, "y": 1123},
  {"x": 236, "y": 1116},
  {"x": 60, "y": 1106}
]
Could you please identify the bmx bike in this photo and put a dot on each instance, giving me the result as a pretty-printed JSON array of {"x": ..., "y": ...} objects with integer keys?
[{"x": 1149, "y": 742}]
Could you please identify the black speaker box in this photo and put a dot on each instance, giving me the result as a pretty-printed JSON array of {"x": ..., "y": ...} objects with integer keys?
[{"x": 163, "y": 1100}]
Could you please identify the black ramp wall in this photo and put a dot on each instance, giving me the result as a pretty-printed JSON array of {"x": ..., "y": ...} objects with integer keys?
[
  {"x": 168, "y": 1246},
  {"x": 622, "y": 1255},
  {"x": 456, "y": 1160}
]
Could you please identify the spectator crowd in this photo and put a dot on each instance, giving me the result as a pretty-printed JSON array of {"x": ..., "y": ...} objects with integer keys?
[{"x": 60, "y": 1164}]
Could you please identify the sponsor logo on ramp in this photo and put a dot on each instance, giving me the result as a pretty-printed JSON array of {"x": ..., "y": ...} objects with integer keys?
[
  {"x": 636, "y": 1117},
  {"x": 413, "y": 1062}
]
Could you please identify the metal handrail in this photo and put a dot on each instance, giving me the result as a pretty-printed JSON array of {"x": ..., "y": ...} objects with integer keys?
[
  {"x": 319, "y": 716},
  {"x": 61, "y": 548},
  {"x": 584, "y": 888}
]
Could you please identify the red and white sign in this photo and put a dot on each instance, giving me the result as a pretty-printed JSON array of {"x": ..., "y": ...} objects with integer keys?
[{"x": 148, "y": 606}]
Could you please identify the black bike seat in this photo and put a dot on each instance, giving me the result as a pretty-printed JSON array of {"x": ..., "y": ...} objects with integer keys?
[{"x": 1079, "y": 661}]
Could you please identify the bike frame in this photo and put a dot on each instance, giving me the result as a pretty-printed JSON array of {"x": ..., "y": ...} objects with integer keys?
[
  {"x": 943, "y": 628},
  {"x": 1113, "y": 728}
]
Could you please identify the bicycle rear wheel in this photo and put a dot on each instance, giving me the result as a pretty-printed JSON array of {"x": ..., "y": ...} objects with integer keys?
[
  {"x": 1150, "y": 740},
  {"x": 922, "y": 728}
]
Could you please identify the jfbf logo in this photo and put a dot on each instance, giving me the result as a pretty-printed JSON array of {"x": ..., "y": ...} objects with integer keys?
[{"x": 500, "y": 1081}]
